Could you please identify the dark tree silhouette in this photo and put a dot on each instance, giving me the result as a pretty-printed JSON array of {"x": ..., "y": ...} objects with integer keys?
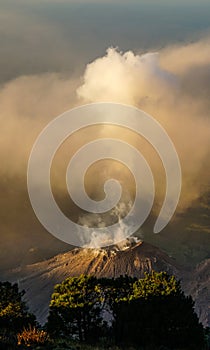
[
  {"x": 158, "y": 313},
  {"x": 75, "y": 308},
  {"x": 14, "y": 315},
  {"x": 152, "y": 311}
]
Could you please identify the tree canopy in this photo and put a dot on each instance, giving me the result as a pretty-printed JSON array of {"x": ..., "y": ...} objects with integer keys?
[
  {"x": 157, "y": 313},
  {"x": 14, "y": 314},
  {"x": 150, "y": 311},
  {"x": 75, "y": 308}
]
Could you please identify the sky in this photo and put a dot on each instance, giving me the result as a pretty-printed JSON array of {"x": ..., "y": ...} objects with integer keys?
[
  {"x": 53, "y": 51},
  {"x": 40, "y": 36}
]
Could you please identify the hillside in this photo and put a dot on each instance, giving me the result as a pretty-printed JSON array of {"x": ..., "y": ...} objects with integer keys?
[
  {"x": 39, "y": 279},
  {"x": 198, "y": 285}
]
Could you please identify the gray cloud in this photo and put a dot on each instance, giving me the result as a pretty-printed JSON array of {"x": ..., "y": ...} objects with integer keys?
[{"x": 43, "y": 36}]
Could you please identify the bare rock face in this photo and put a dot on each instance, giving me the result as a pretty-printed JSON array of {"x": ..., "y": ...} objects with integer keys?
[
  {"x": 132, "y": 259},
  {"x": 197, "y": 285}
]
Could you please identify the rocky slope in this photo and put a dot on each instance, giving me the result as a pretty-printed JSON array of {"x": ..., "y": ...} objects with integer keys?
[
  {"x": 133, "y": 259},
  {"x": 197, "y": 284},
  {"x": 39, "y": 279}
]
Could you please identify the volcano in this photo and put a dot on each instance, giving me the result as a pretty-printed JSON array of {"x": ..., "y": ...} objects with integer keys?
[{"x": 132, "y": 258}]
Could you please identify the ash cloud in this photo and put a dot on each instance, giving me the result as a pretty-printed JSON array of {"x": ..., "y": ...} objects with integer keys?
[
  {"x": 125, "y": 77},
  {"x": 171, "y": 85},
  {"x": 99, "y": 221}
]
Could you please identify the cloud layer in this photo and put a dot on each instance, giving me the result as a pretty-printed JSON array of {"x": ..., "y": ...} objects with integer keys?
[{"x": 172, "y": 85}]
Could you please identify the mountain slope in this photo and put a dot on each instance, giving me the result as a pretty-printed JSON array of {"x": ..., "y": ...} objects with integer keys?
[
  {"x": 198, "y": 285},
  {"x": 133, "y": 259},
  {"x": 39, "y": 279}
]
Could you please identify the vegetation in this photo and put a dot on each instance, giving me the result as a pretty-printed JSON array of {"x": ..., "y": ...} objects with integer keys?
[
  {"x": 32, "y": 336},
  {"x": 148, "y": 312},
  {"x": 95, "y": 314},
  {"x": 14, "y": 315},
  {"x": 158, "y": 313},
  {"x": 75, "y": 309}
]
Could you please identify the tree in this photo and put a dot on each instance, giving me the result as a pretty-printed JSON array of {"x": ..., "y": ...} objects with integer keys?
[
  {"x": 116, "y": 291},
  {"x": 158, "y": 313},
  {"x": 14, "y": 313},
  {"x": 156, "y": 284},
  {"x": 75, "y": 308},
  {"x": 152, "y": 311}
]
